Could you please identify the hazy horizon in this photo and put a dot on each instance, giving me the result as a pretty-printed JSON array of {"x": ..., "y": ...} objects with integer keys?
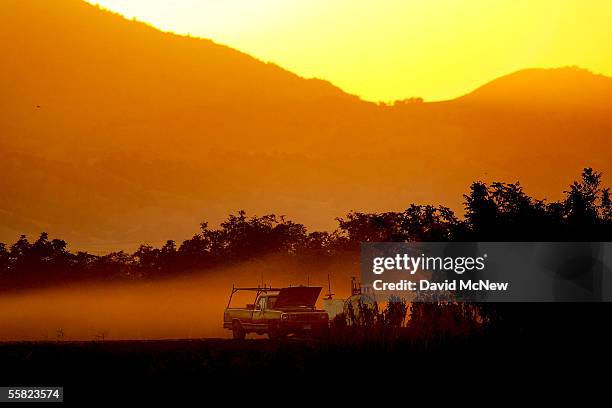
[{"x": 115, "y": 133}]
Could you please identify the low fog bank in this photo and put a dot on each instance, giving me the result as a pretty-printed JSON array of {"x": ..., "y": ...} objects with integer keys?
[{"x": 183, "y": 307}]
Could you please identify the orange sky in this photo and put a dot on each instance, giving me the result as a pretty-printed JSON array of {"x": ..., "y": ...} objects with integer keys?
[
  {"x": 122, "y": 135},
  {"x": 392, "y": 49}
]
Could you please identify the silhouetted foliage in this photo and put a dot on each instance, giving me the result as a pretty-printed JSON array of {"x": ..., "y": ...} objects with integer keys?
[
  {"x": 493, "y": 212},
  {"x": 364, "y": 322},
  {"x": 446, "y": 319}
]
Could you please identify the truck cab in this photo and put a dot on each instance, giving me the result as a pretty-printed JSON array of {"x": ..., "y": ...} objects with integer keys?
[{"x": 277, "y": 312}]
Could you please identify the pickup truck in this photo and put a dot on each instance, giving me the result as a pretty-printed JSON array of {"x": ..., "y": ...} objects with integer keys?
[{"x": 277, "y": 312}]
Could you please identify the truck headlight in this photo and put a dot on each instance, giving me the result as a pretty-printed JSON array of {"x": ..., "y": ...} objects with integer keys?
[{"x": 284, "y": 316}]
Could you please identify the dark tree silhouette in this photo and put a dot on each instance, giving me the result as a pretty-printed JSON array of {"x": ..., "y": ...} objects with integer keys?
[{"x": 493, "y": 212}]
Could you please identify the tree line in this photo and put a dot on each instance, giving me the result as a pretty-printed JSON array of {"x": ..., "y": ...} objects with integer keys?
[{"x": 497, "y": 211}]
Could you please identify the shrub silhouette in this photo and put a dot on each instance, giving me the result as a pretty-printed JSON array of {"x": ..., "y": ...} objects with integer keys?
[{"x": 493, "y": 212}]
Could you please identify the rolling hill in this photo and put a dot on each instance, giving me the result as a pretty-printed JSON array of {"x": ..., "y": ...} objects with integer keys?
[{"x": 114, "y": 133}]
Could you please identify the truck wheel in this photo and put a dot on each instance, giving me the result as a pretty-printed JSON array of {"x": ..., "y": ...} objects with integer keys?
[
  {"x": 275, "y": 333},
  {"x": 322, "y": 334},
  {"x": 238, "y": 331}
]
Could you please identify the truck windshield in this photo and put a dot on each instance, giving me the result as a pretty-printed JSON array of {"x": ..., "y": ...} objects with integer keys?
[{"x": 271, "y": 302}]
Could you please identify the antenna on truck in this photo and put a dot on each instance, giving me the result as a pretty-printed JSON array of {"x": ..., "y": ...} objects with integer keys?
[
  {"x": 329, "y": 294},
  {"x": 355, "y": 287}
]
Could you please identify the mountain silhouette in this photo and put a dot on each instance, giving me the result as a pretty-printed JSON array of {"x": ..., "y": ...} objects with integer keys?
[
  {"x": 114, "y": 133},
  {"x": 569, "y": 87}
]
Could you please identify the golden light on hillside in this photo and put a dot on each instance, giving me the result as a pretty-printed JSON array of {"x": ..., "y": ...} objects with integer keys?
[
  {"x": 110, "y": 122},
  {"x": 390, "y": 49}
]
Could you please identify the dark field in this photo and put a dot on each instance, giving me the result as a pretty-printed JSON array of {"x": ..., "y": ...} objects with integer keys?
[{"x": 112, "y": 370}]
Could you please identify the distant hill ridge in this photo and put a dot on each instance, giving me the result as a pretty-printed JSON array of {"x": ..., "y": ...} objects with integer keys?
[
  {"x": 113, "y": 133},
  {"x": 572, "y": 86}
]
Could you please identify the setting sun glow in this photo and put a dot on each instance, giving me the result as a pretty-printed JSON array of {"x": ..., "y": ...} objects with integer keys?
[{"x": 393, "y": 49}]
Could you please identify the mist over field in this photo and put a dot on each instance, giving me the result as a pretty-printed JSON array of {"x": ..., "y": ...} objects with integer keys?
[{"x": 184, "y": 307}]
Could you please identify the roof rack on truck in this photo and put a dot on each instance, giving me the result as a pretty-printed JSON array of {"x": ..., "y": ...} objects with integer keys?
[{"x": 258, "y": 289}]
